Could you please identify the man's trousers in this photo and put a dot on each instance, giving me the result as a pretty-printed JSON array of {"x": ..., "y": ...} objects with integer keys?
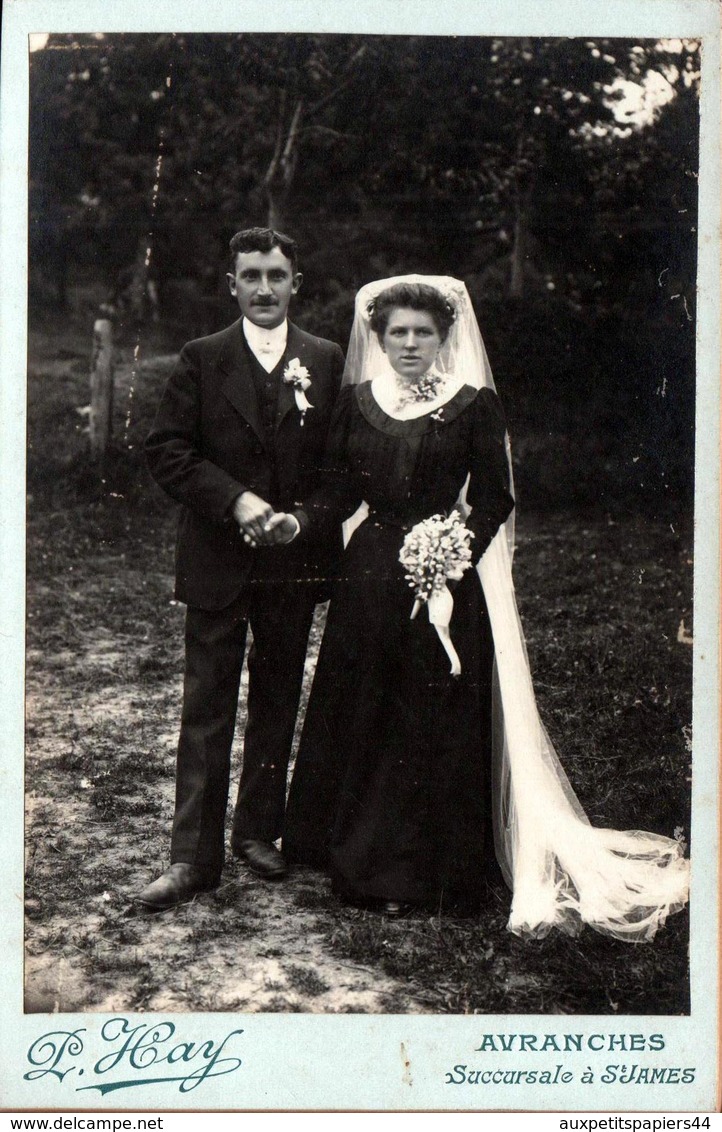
[{"x": 280, "y": 613}]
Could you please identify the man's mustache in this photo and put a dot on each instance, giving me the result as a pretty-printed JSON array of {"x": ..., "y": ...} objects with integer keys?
[{"x": 265, "y": 302}]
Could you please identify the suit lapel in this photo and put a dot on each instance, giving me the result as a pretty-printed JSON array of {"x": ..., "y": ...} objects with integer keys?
[{"x": 238, "y": 386}]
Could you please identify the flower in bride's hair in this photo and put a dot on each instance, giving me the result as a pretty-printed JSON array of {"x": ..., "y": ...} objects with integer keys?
[{"x": 453, "y": 292}]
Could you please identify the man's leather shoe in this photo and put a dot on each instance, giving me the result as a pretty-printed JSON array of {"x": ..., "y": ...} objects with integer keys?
[
  {"x": 176, "y": 885},
  {"x": 262, "y": 858}
]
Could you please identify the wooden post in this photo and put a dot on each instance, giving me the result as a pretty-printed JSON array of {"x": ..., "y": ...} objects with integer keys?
[{"x": 101, "y": 388}]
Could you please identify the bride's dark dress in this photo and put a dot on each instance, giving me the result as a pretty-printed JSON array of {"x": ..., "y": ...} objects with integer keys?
[{"x": 391, "y": 787}]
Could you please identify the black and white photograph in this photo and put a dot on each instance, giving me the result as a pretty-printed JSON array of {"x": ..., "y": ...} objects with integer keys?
[{"x": 363, "y": 490}]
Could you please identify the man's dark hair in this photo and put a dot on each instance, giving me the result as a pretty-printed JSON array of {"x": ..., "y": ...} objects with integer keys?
[
  {"x": 263, "y": 240},
  {"x": 412, "y": 296}
]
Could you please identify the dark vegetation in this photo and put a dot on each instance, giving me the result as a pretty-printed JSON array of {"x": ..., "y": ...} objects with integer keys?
[{"x": 500, "y": 161}]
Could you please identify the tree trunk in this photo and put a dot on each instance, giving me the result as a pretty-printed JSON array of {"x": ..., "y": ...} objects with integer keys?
[
  {"x": 282, "y": 168},
  {"x": 136, "y": 287},
  {"x": 61, "y": 275},
  {"x": 101, "y": 388},
  {"x": 275, "y": 214},
  {"x": 518, "y": 250},
  {"x": 281, "y": 171},
  {"x": 523, "y": 195}
]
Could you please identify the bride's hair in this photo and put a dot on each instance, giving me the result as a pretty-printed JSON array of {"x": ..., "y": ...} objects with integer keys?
[{"x": 415, "y": 297}]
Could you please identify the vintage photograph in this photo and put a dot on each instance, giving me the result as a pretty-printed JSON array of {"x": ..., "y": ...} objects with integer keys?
[{"x": 361, "y": 392}]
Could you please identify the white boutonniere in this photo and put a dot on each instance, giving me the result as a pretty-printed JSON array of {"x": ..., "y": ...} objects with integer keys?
[{"x": 298, "y": 376}]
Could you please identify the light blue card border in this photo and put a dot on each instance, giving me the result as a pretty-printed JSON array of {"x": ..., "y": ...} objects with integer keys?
[{"x": 360, "y": 1062}]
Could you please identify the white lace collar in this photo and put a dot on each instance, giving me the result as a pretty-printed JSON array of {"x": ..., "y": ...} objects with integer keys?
[{"x": 385, "y": 390}]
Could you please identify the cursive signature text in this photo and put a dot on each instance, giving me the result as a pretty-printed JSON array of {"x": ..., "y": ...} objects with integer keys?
[{"x": 137, "y": 1054}]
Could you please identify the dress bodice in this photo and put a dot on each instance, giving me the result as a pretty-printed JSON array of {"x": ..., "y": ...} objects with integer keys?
[{"x": 407, "y": 470}]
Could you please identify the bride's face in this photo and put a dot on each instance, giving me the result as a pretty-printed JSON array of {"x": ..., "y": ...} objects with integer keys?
[{"x": 411, "y": 342}]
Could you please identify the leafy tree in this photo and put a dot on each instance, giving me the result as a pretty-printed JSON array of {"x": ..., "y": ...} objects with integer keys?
[{"x": 506, "y": 161}]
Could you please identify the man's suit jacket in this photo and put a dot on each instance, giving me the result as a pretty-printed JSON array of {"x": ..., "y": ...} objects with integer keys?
[{"x": 208, "y": 445}]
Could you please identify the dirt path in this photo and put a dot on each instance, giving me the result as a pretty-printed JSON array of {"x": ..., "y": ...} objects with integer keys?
[{"x": 94, "y": 841}]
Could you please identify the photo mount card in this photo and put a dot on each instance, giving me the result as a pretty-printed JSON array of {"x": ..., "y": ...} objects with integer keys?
[{"x": 358, "y": 1038}]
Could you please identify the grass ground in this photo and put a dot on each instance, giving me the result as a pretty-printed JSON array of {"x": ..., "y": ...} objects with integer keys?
[{"x": 606, "y": 608}]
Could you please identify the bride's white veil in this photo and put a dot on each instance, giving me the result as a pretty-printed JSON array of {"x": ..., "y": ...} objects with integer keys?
[
  {"x": 462, "y": 353},
  {"x": 563, "y": 872}
]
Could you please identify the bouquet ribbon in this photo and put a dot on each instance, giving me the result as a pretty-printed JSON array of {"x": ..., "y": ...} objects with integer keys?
[{"x": 441, "y": 607}]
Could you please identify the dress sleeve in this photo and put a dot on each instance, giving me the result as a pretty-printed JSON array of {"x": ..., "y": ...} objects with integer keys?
[
  {"x": 336, "y": 496},
  {"x": 489, "y": 494}
]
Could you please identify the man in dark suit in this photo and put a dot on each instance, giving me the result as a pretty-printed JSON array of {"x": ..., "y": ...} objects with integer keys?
[{"x": 238, "y": 441}]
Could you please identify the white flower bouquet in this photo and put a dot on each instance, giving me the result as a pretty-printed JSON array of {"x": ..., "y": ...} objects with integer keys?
[{"x": 434, "y": 552}]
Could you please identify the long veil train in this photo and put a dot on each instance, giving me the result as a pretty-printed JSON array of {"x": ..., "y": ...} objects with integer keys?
[{"x": 563, "y": 871}]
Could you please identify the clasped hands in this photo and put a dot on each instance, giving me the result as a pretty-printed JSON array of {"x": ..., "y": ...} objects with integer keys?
[{"x": 260, "y": 525}]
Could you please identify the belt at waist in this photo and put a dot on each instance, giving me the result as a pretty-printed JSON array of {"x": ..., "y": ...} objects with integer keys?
[{"x": 404, "y": 522}]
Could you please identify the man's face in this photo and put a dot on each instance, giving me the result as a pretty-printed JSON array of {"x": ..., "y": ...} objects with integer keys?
[{"x": 263, "y": 284}]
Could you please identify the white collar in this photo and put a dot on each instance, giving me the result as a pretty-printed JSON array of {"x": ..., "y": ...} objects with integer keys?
[
  {"x": 386, "y": 394},
  {"x": 266, "y": 339}
]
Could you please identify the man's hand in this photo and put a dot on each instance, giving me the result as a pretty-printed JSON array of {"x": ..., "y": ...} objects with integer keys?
[
  {"x": 252, "y": 513},
  {"x": 281, "y": 529},
  {"x": 260, "y": 525}
]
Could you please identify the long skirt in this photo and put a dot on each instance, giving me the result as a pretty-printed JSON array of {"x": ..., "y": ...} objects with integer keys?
[{"x": 390, "y": 792}]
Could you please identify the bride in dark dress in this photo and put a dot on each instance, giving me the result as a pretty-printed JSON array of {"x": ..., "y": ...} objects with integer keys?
[
  {"x": 391, "y": 783},
  {"x": 392, "y": 787}
]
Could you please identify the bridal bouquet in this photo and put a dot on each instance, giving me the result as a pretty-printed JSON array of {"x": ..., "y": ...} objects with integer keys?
[{"x": 434, "y": 552}]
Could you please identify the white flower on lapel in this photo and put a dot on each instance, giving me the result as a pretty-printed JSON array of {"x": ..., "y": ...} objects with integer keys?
[{"x": 298, "y": 376}]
